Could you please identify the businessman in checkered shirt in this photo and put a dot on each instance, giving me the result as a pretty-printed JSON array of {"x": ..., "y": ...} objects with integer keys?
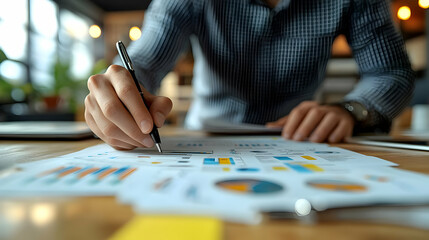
[{"x": 257, "y": 61}]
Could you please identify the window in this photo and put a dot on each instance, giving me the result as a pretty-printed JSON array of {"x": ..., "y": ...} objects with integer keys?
[
  {"x": 14, "y": 40},
  {"x": 37, "y": 34}
]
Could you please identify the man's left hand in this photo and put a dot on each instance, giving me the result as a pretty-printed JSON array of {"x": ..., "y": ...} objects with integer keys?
[{"x": 317, "y": 123}]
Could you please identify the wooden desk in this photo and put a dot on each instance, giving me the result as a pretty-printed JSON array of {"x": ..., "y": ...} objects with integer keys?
[{"x": 99, "y": 217}]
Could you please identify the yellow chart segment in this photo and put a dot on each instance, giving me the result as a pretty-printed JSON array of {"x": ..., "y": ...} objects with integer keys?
[
  {"x": 224, "y": 161},
  {"x": 239, "y": 187},
  {"x": 308, "y": 157},
  {"x": 312, "y": 167},
  {"x": 337, "y": 185},
  {"x": 279, "y": 168}
]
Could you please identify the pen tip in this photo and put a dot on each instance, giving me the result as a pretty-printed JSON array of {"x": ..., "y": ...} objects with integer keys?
[{"x": 158, "y": 145}]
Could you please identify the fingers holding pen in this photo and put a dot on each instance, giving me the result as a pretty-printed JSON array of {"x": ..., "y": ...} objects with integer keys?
[
  {"x": 118, "y": 141},
  {"x": 111, "y": 109},
  {"x": 157, "y": 108},
  {"x": 128, "y": 94},
  {"x": 118, "y": 114}
]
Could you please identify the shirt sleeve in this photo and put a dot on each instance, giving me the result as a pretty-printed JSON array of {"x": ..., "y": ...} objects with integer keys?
[
  {"x": 387, "y": 81},
  {"x": 165, "y": 35}
]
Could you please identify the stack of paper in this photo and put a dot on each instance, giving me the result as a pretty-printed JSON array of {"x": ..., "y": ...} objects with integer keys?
[{"x": 234, "y": 178}]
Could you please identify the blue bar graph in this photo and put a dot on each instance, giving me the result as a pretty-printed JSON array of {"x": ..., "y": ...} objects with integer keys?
[{"x": 298, "y": 168}]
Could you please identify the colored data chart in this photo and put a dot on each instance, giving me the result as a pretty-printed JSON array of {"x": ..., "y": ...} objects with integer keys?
[
  {"x": 376, "y": 178},
  {"x": 250, "y": 186},
  {"x": 219, "y": 161},
  {"x": 76, "y": 175},
  {"x": 267, "y": 159},
  {"x": 223, "y": 161},
  {"x": 304, "y": 168},
  {"x": 248, "y": 169},
  {"x": 336, "y": 185},
  {"x": 283, "y": 158},
  {"x": 251, "y": 145},
  {"x": 165, "y": 160}
]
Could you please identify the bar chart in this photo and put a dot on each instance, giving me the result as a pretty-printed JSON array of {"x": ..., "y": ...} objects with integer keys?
[{"x": 88, "y": 175}]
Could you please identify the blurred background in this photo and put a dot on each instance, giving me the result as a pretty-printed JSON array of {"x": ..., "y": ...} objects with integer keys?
[{"x": 49, "y": 48}]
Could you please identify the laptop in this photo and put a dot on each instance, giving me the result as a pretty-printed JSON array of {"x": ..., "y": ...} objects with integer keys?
[
  {"x": 221, "y": 127},
  {"x": 405, "y": 141},
  {"x": 45, "y": 130}
]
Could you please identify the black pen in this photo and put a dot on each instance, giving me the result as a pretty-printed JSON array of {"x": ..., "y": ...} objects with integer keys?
[{"x": 129, "y": 66}]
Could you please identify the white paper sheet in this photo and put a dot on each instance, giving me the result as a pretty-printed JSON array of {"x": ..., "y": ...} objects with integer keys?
[
  {"x": 226, "y": 194},
  {"x": 234, "y": 178}
]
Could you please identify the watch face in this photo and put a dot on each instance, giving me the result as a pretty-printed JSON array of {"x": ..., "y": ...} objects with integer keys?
[{"x": 359, "y": 112}]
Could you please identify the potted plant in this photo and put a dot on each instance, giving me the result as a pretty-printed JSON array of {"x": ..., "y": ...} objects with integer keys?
[
  {"x": 66, "y": 92},
  {"x": 7, "y": 88}
]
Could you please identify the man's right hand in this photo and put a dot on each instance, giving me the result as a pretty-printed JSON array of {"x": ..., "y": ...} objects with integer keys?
[{"x": 116, "y": 113}]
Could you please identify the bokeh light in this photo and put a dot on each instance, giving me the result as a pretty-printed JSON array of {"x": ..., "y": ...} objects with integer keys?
[
  {"x": 404, "y": 13},
  {"x": 424, "y": 3},
  {"x": 135, "y": 33},
  {"x": 42, "y": 214},
  {"x": 95, "y": 31}
]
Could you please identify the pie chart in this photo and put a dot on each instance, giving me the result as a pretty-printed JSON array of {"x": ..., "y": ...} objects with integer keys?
[{"x": 249, "y": 186}]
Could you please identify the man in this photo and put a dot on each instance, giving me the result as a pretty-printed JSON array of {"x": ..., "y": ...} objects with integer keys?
[{"x": 256, "y": 62}]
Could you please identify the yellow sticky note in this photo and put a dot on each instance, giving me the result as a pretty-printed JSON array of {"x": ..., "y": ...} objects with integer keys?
[{"x": 161, "y": 227}]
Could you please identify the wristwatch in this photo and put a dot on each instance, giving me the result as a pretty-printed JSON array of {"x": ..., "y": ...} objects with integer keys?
[
  {"x": 366, "y": 120},
  {"x": 358, "y": 111}
]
